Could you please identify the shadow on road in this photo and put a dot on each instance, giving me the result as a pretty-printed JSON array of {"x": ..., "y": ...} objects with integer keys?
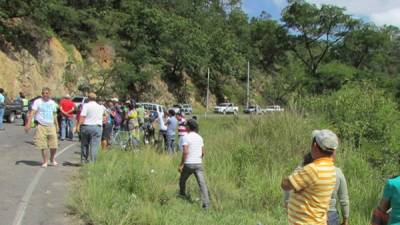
[
  {"x": 30, "y": 142},
  {"x": 66, "y": 163},
  {"x": 28, "y": 162}
]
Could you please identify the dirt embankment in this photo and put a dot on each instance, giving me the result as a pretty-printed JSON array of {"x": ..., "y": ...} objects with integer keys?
[{"x": 21, "y": 71}]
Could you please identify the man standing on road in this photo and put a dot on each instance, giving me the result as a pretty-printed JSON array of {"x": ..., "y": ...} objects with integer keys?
[
  {"x": 313, "y": 184},
  {"x": 2, "y": 108},
  {"x": 67, "y": 107},
  {"x": 43, "y": 110},
  {"x": 192, "y": 156},
  {"x": 90, "y": 128}
]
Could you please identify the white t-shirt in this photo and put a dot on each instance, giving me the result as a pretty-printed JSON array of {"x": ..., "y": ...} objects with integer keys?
[
  {"x": 44, "y": 111},
  {"x": 195, "y": 143},
  {"x": 93, "y": 113}
]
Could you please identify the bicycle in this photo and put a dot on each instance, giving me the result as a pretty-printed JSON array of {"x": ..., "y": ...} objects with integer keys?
[{"x": 125, "y": 140}]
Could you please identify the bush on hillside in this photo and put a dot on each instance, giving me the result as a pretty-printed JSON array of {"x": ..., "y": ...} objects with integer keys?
[{"x": 366, "y": 117}]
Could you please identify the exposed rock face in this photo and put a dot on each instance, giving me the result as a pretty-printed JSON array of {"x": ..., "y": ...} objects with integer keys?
[{"x": 23, "y": 72}]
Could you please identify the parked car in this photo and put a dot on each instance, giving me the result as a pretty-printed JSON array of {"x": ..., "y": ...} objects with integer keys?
[
  {"x": 226, "y": 108},
  {"x": 12, "y": 110},
  {"x": 151, "y": 106},
  {"x": 254, "y": 109},
  {"x": 274, "y": 108},
  {"x": 185, "y": 108}
]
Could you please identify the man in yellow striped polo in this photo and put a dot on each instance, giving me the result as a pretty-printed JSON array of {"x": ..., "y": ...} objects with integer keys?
[{"x": 312, "y": 186}]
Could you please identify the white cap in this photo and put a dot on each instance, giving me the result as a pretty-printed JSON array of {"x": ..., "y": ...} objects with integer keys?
[{"x": 326, "y": 139}]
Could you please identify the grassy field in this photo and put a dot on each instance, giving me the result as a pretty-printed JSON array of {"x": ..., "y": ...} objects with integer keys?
[{"x": 246, "y": 158}]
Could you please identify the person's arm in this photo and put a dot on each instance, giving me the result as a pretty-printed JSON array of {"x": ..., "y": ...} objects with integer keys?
[
  {"x": 82, "y": 117},
  {"x": 343, "y": 196},
  {"x": 29, "y": 120},
  {"x": 384, "y": 204},
  {"x": 286, "y": 185},
  {"x": 184, "y": 156},
  {"x": 300, "y": 179},
  {"x": 203, "y": 152}
]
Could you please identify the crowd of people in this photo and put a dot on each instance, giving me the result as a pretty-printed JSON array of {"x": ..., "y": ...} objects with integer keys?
[{"x": 311, "y": 193}]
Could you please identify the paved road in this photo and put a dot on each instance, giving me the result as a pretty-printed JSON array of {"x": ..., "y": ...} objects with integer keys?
[{"x": 31, "y": 195}]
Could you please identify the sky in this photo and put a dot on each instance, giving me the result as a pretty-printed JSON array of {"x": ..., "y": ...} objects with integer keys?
[{"x": 379, "y": 12}]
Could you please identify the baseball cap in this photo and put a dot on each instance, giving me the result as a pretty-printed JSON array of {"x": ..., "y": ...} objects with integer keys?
[
  {"x": 67, "y": 96},
  {"x": 326, "y": 139}
]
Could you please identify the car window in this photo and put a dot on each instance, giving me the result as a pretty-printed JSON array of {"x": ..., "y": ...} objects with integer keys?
[{"x": 77, "y": 99}]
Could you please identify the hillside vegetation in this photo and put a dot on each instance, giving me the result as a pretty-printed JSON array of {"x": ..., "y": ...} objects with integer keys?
[{"x": 313, "y": 50}]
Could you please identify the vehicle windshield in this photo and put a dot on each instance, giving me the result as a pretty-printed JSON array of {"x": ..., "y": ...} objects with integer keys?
[
  {"x": 225, "y": 104},
  {"x": 176, "y": 106},
  {"x": 77, "y": 99}
]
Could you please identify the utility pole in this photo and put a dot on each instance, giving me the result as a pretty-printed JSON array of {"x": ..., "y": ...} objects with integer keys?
[
  {"x": 208, "y": 90},
  {"x": 248, "y": 84}
]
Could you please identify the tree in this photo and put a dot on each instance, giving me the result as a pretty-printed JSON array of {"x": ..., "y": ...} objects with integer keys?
[
  {"x": 363, "y": 43},
  {"x": 315, "y": 30},
  {"x": 269, "y": 42}
]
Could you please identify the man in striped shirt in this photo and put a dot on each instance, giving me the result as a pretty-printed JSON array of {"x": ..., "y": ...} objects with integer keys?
[
  {"x": 182, "y": 131},
  {"x": 313, "y": 184}
]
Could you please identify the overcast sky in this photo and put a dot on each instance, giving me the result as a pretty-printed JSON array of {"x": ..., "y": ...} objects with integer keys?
[{"x": 378, "y": 11}]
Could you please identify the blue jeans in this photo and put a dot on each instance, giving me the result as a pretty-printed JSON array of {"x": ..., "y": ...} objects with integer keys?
[
  {"x": 67, "y": 126},
  {"x": 90, "y": 141},
  {"x": 333, "y": 218},
  {"x": 170, "y": 143},
  {"x": 1, "y": 117}
]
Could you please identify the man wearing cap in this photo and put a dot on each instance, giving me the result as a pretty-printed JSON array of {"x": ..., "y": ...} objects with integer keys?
[
  {"x": 67, "y": 107},
  {"x": 191, "y": 163},
  {"x": 90, "y": 127},
  {"x": 313, "y": 184}
]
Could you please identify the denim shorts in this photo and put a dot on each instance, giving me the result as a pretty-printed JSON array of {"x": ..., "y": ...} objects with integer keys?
[{"x": 333, "y": 218}]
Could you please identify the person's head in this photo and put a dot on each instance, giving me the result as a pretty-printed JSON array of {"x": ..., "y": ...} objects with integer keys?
[
  {"x": 1, "y": 91},
  {"x": 324, "y": 143},
  {"x": 46, "y": 93},
  {"x": 92, "y": 96},
  {"x": 192, "y": 125},
  {"x": 194, "y": 117},
  {"x": 171, "y": 112},
  {"x": 67, "y": 96},
  {"x": 109, "y": 104},
  {"x": 21, "y": 95}
]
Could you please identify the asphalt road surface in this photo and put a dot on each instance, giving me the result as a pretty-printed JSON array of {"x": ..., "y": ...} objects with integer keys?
[{"x": 29, "y": 194}]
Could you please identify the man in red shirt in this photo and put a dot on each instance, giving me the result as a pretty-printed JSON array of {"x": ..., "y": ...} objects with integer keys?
[{"x": 67, "y": 107}]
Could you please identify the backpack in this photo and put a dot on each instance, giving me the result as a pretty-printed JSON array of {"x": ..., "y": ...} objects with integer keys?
[{"x": 117, "y": 119}]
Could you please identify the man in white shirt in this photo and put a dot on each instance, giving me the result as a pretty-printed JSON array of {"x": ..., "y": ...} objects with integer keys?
[
  {"x": 162, "y": 134},
  {"x": 43, "y": 110},
  {"x": 90, "y": 128},
  {"x": 192, "y": 157}
]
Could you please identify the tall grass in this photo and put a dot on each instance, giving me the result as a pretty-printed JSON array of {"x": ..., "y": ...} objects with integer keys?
[{"x": 245, "y": 161}]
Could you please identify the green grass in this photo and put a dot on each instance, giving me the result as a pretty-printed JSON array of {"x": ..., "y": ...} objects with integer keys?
[{"x": 245, "y": 160}]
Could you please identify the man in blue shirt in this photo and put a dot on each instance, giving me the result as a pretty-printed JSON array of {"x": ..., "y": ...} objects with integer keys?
[{"x": 2, "y": 108}]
